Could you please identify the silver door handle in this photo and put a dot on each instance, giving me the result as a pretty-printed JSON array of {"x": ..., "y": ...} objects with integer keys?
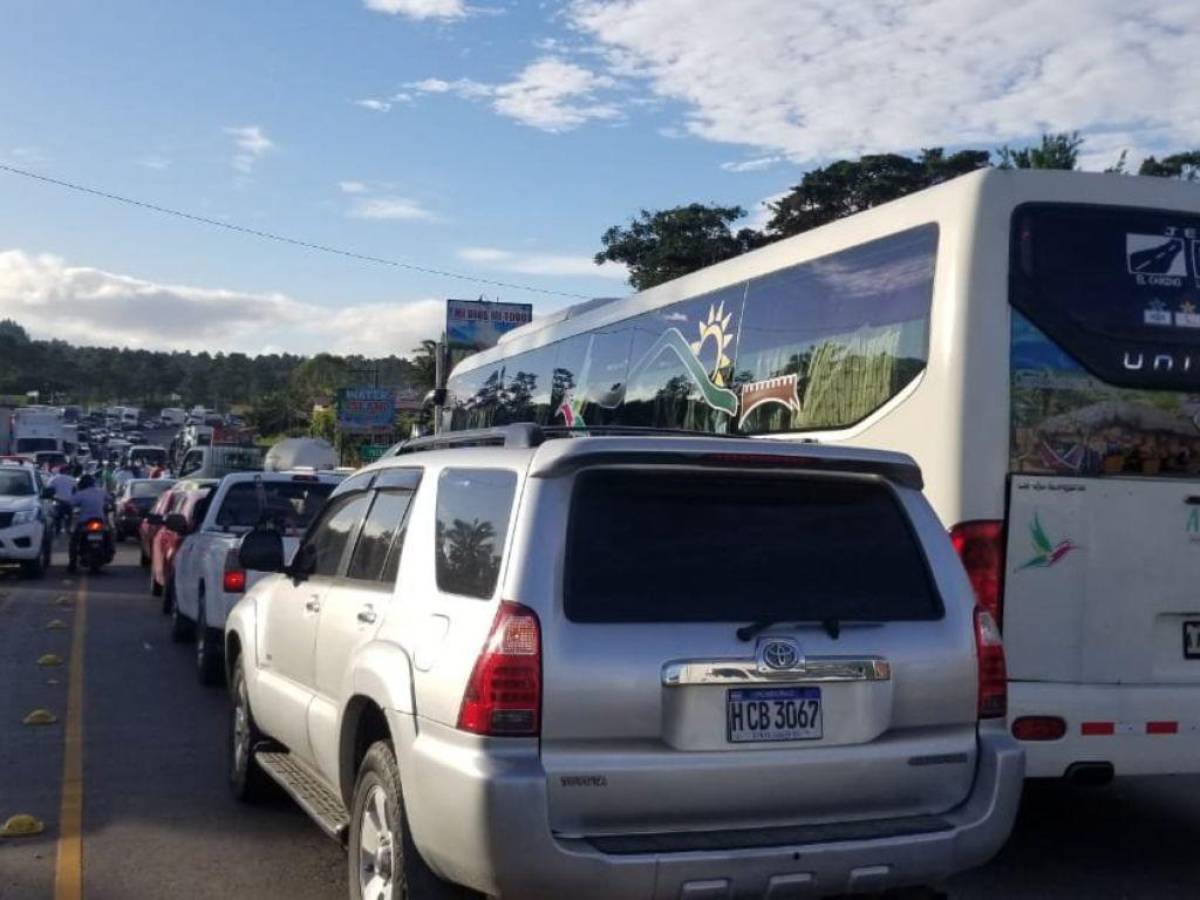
[
  {"x": 313, "y": 605},
  {"x": 367, "y": 614}
]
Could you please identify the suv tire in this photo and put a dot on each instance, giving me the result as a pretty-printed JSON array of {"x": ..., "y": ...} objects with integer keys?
[
  {"x": 247, "y": 781},
  {"x": 144, "y": 560},
  {"x": 36, "y": 568},
  {"x": 208, "y": 648},
  {"x": 378, "y": 806},
  {"x": 183, "y": 629}
]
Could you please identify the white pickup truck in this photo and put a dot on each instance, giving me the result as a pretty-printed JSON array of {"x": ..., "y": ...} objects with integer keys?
[{"x": 208, "y": 579}]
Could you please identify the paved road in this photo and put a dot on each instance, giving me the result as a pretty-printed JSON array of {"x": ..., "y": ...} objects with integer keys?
[{"x": 157, "y": 821}]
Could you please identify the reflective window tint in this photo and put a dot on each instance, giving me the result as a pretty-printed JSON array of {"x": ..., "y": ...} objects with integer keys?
[
  {"x": 326, "y": 545},
  {"x": 733, "y": 547},
  {"x": 376, "y": 555},
  {"x": 473, "y": 507},
  {"x": 825, "y": 343},
  {"x": 525, "y": 393},
  {"x": 682, "y": 363}
]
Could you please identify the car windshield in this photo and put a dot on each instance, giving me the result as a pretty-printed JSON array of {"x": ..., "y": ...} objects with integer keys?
[
  {"x": 289, "y": 504},
  {"x": 16, "y": 484}
]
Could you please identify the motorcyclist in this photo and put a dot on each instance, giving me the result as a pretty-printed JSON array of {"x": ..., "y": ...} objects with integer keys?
[
  {"x": 90, "y": 501},
  {"x": 63, "y": 486}
]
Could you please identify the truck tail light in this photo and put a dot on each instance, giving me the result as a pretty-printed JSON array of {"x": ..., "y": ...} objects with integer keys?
[
  {"x": 980, "y": 546},
  {"x": 993, "y": 673},
  {"x": 504, "y": 693},
  {"x": 129, "y": 508},
  {"x": 233, "y": 580}
]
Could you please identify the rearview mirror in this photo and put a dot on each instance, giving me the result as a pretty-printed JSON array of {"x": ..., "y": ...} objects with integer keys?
[
  {"x": 262, "y": 551},
  {"x": 176, "y": 523}
]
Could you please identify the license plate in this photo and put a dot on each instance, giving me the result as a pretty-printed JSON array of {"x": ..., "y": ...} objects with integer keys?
[
  {"x": 95, "y": 538},
  {"x": 1191, "y": 639},
  {"x": 773, "y": 714}
]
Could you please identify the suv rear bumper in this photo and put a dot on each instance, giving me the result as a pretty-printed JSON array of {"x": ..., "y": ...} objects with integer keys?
[
  {"x": 1134, "y": 746},
  {"x": 478, "y": 814}
]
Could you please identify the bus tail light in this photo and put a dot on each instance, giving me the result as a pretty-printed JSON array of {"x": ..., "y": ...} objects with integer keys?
[
  {"x": 980, "y": 546},
  {"x": 504, "y": 693},
  {"x": 993, "y": 673},
  {"x": 1039, "y": 728}
]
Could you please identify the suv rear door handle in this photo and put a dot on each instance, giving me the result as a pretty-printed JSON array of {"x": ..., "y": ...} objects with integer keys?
[
  {"x": 313, "y": 604},
  {"x": 367, "y": 614}
]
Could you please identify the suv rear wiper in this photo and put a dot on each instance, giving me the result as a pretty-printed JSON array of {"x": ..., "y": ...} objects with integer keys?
[{"x": 755, "y": 628}]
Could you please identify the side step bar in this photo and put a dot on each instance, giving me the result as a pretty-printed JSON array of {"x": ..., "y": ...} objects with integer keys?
[{"x": 323, "y": 805}]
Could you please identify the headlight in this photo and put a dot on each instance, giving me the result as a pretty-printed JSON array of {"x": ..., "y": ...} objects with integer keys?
[{"x": 24, "y": 516}]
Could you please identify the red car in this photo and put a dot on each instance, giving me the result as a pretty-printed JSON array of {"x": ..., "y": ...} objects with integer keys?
[
  {"x": 153, "y": 520},
  {"x": 188, "y": 499}
]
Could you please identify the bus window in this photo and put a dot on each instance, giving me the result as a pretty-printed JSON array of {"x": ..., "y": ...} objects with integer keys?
[{"x": 825, "y": 343}]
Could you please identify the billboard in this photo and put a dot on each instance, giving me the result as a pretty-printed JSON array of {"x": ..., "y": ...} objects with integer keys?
[
  {"x": 366, "y": 409},
  {"x": 474, "y": 325}
]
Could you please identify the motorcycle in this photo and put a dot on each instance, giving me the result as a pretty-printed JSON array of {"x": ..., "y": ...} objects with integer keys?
[{"x": 96, "y": 546}]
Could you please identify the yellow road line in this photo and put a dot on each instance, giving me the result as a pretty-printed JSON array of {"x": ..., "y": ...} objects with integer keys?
[{"x": 68, "y": 871}]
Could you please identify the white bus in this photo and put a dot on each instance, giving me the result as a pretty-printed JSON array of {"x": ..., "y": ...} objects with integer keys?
[{"x": 1032, "y": 339}]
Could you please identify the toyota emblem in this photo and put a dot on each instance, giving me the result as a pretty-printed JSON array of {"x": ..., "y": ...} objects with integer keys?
[{"x": 780, "y": 654}]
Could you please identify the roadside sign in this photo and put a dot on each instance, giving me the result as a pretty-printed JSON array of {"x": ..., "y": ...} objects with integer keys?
[
  {"x": 366, "y": 409},
  {"x": 369, "y": 453},
  {"x": 474, "y": 325}
]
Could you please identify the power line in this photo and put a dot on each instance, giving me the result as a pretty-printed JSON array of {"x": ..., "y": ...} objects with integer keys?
[{"x": 283, "y": 239}]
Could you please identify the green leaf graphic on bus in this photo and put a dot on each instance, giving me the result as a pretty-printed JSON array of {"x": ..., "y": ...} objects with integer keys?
[
  {"x": 719, "y": 398},
  {"x": 1048, "y": 552}
]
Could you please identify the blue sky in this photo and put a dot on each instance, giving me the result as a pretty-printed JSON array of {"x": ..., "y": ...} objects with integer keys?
[{"x": 498, "y": 139}]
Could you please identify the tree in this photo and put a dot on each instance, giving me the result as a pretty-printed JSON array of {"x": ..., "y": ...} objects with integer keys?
[
  {"x": 851, "y": 185},
  {"x": 424, "y": 359},
  {"x": 1184, "y": 166},
  {"x": 659, "y": 246},
  {"x": 1056, "y": 151}
]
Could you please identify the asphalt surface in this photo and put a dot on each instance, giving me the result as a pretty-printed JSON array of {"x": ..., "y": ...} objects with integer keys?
[{"x": 157, "y": 820}]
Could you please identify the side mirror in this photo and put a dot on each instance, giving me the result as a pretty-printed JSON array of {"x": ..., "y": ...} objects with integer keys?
[
  {"x": 304, "y": 563},
  {"x": 154, "y": 519},
  {"x": 262, "y": 551},
  {"x": 176, "y": 523}
]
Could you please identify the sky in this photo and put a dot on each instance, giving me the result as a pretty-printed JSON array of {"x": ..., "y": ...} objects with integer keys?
[{"x": 496, "y": 140}]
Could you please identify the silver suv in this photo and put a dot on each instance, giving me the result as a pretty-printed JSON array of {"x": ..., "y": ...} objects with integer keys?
[{"x": 627, "y": 665}]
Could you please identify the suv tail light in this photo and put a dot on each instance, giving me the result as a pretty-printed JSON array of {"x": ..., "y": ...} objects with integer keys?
[
  {"x": 130, "y": 508},
  {"x": 993, "y": 674},
  {"x": 980, "y": 546},
  {"x": 504, "y": 693}
]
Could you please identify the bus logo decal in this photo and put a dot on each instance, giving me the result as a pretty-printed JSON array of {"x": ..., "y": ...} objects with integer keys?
[
  {"x": 1047, "y": 552},
  {"x": 716, "y": 326}
]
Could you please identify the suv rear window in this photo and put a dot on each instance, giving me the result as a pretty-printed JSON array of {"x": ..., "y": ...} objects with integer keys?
[
  {"x": 473, "y": 507},
  {"x": 647, "y": 546},
  {"x": 290, "y": 504}
]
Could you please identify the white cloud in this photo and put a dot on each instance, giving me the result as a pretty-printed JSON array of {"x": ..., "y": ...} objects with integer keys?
[
  {"x": 761, "y": 213},
  {"x": 550, "y": 94},
  {"x": 158, "y": 163},
  {"x": 24, "y": 157},
  {"x": 90, "y": 306},
  {"x": 420, "y": 9},
  {"x": 373, "y": 104},
  {"x": 752, "y": 165},
  {"x": 831, "y": 78},
  {"x": 251, "y": 144},
  {"x": 541, "y": 263},
  {"x": 389, "y": 207},
  {"x": 554, "y": 95},
  {"x": 352, "y": 187}
]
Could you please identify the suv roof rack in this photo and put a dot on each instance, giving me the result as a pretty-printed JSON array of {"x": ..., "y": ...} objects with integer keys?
[{"x": 524, "y": 435}]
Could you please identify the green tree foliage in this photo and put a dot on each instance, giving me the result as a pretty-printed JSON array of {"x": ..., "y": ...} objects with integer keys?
[
  {"x": 283, "y": 385},
  {"x": 424, "y": 360},
  {"x": 659, "y": 246},
  {"x": 1056, "y": 151},
  {"x": 1184, "y": 166},
  {"x": 851, "y": 185}
]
